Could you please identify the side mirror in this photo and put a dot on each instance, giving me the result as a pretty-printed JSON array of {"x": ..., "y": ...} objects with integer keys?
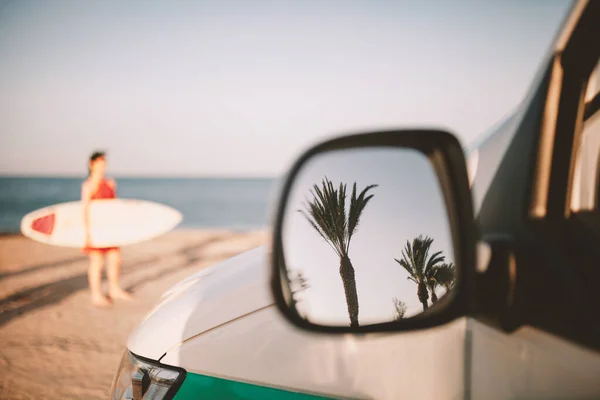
[{"x": 375, "y": 232}]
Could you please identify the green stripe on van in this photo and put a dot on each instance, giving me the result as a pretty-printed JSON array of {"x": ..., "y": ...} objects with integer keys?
[{"x": 197, "y": 386}]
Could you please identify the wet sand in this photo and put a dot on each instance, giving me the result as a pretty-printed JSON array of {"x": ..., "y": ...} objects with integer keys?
[{"x": 53, "y": 343}]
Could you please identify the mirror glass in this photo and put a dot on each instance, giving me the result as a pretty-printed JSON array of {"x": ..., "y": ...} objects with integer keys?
[{"x": 366, "y": 238}]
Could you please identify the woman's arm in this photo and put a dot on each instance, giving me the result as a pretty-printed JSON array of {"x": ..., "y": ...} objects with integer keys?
[
  {"x": 86, "y": 195},
  {"x": 113, "y": 185}
]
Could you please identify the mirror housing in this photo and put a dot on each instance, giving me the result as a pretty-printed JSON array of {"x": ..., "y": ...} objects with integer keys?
[{"x": 445, "y": 155}]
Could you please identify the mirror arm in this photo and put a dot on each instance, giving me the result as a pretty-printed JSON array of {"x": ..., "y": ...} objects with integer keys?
[{"x": 494, "y": 288}]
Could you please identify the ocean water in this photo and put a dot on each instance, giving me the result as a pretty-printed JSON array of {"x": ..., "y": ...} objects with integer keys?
[{"x": 229, "y": 203}]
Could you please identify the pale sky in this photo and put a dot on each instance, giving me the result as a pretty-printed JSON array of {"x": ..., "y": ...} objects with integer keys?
[
  {"x": 407, "y": 203},
  {"x": 242, "y": 87}
]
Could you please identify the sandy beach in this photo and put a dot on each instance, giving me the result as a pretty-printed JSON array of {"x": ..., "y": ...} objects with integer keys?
[{"x": 53, "y": 343}]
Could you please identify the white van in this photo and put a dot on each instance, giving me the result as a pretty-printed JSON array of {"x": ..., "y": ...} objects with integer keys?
[{"x": 520, "y": 321}]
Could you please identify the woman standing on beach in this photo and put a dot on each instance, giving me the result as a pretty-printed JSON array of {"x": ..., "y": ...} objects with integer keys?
[{"x": 97, "y": 186}]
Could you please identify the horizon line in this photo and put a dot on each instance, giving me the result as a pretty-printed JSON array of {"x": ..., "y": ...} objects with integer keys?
[{"x": 144, "y": 176}]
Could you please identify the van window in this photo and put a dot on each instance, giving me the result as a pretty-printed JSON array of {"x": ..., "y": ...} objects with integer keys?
[{"x": 586, "y": 178}]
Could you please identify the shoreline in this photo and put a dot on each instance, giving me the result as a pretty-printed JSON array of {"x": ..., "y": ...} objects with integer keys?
[{"x": 7, "y": 233}]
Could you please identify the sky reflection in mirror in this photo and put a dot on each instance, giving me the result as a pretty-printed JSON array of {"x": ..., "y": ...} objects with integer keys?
[{"x": 407, "y": 202}]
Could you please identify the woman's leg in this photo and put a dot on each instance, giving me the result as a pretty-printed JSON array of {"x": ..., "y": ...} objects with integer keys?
[
  {"x": 114, "y": 273},
  {"x": 95, "y": 279}
]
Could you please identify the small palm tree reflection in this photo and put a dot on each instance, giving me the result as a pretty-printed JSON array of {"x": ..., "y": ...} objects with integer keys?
[
  {"x": 297, "y": 284},
  {"x": 440, "y": 275},
  {"x": 428, "y": 272},
  {"x": 400, "y": 309},
  {"x": 417, "y": 262}
]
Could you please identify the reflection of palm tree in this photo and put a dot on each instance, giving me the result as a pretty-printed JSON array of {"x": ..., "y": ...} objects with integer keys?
[
  {"x": 440, "y": 275},
  {"x": 298, "y": 283},
  {"x": 327, "y": 214},
  {"x": 400, "y": 308},
  {"x": 416, "y": 261},
  {"x": 444, "y": 275},
  {"x": 432, "y": 283}
]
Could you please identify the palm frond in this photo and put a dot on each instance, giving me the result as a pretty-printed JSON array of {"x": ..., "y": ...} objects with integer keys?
[
  {"x": 407, "y": 266},
  {"x": 444, "y": 274},
  {"x": 357, "y": 206},
  {"x": 422, "y": 267},
  {"x": 324, "y": 212},
  {"x": 409, "y": 261},
  {"x": 421, "y": 249},
  {"x": 435, "y": 259},
  {"x": 317, "y": 228},
  {"x": 335, "y": 212},
  {"x": 417, "y": 261},
  {"x": 327, "y": 213}
]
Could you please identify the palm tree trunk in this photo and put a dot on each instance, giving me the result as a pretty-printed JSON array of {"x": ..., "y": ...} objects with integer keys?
[
  {"x": 347, "y": 274},
  {"x": 423, "y": 295}
]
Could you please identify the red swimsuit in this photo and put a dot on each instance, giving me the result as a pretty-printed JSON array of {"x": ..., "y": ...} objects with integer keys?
[{"x": 104, "y": 191}]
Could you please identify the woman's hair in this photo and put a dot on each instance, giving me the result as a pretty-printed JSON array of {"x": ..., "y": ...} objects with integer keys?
[{"x": 95, "y": 155}]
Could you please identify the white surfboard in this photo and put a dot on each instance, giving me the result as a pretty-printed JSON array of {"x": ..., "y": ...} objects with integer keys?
[{"x": 113, "y": 222}]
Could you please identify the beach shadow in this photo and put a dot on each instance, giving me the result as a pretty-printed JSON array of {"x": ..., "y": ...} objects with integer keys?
[
  {"x": 44, "y": 295},
  {"x": 35, "y": 268}
]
